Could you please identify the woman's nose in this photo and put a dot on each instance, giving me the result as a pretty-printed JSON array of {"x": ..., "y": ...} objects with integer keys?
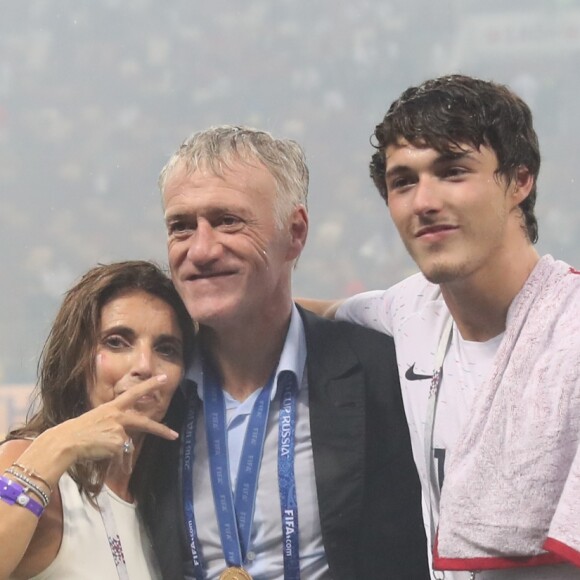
[{"x": 143, "y": 363}]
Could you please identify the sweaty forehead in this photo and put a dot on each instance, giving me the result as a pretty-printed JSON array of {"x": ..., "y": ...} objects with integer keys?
[
  {"x": 221, "y": 164},
  {"x": 230, "y": 169},
  {"x": 421, "y": 147},
  {"x": 239, "y": 187}
]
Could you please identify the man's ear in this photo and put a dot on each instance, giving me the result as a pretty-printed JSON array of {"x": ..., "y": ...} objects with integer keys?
[
  {"x": 521, "y": 185},
  {"x": 298, "y": 230}
]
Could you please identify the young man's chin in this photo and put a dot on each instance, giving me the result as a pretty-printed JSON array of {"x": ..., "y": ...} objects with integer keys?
[{"x": 441, "y": 273}]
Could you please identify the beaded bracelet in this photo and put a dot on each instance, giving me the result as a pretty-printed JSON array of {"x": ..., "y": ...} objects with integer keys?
[
  {"x": 29, "y": 485},
  {"x": 32, "y": 473},
  {"x": 13, "y": 493}
]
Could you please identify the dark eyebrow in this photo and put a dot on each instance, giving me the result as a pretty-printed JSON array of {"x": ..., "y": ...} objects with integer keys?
[
  {"x": 441, "y": 159},
  {"x": 447, "y": 156},
  {"x": 129, "y": 332},
  {"x": 118, "y": 329},
  {"x": 170, "y": 338},
  {"x": 397, "y": 170}
]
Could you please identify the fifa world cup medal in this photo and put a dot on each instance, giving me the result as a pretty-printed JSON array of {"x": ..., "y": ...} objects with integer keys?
[{"x": 234, "y": 573}]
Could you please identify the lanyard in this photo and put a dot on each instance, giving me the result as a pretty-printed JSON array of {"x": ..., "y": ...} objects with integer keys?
[
  {"x": 286, "y": 478},
  {"x": 112, "y": 535},
  {"x": 434, "y": 388},
  {"x": 434, "y": 493},
  {"x": 235, "y": 511}
]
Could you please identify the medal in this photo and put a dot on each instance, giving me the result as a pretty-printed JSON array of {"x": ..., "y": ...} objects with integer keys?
[
  {"x": 234, "y": 573},
  {"x": 236, "y": 514}
]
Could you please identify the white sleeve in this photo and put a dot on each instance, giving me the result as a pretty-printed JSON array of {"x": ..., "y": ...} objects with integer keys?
[
  {"x": 370, "y": 309},
  {"x": 387, "y": 310}
]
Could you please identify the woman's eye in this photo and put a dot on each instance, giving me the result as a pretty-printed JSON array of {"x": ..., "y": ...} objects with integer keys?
[
  {"x": 115, "y": 342},
  {"x": 169, "y": 350}
]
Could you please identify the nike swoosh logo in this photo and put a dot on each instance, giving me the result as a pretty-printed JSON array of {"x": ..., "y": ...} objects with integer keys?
[{"x": 411, "y": 375}]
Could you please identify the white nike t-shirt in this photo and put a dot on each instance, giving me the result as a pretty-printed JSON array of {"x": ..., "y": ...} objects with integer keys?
[{"x": 414, "y": 314}]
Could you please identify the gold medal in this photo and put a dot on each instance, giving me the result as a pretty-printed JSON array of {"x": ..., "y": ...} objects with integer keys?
[{"x": 234, "y": 573}]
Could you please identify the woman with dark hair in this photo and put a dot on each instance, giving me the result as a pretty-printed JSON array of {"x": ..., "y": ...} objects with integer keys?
[{"x": 71, "y": 477}]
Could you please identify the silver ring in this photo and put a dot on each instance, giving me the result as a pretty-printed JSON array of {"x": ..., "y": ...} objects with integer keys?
[{"x": 128, "y": 446}]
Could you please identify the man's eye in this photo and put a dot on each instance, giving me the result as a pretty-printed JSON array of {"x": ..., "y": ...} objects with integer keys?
[
  {"x": 455, "y": 172},
  {"x": 230, "y": 221},
  {"x": 399, "y": 183},
  {"x": 178, "y": 228}
]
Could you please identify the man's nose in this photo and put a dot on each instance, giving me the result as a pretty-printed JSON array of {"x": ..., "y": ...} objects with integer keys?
[
  {"x": 204, "y": 246},
  {"x": 426, "y": 198}
]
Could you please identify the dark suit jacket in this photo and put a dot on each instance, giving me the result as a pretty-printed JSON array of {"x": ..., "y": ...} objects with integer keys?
[{"x": 368, "y": 490}]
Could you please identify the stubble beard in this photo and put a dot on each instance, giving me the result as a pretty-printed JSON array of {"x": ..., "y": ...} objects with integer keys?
[
  {"x": 441, "y": 273},
  {"x": 438, "y": 269}
]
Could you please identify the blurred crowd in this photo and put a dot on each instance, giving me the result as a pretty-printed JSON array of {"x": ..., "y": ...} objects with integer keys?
[{"x": 95, "y": 96}]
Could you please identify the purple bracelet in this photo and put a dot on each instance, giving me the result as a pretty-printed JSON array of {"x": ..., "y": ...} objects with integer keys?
[{"x": 13, "y": 493}]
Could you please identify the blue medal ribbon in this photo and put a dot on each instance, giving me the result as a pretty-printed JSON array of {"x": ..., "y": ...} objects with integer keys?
[
  {"x": 187, "y": 482},
  {"x": 235, "y": 513},
  {"x": 286, "y": 478},
  {"x": 234, "y": 517}
]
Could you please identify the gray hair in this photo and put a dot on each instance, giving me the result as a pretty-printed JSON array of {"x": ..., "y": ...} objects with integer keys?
[{"x": 217, "y": 148}]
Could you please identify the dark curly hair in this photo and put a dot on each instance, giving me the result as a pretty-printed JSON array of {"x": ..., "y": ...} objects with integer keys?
[{"x": 450, "y": 112}]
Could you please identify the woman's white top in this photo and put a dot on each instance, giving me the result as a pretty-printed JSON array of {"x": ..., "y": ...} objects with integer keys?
[{"x": 85, "y": 554}]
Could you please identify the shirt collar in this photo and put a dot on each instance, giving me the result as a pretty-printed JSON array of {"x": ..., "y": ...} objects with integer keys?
[{"x": 292, "y": 358}]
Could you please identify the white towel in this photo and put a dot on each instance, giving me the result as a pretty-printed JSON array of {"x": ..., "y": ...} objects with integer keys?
[{"x": 512, "y": 485}]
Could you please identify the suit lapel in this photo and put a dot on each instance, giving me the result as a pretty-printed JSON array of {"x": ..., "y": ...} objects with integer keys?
[{"x": 337, "y": 423}]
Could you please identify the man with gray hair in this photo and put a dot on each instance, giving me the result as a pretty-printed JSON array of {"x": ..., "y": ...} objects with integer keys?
[{"x": 295, "y": 457}]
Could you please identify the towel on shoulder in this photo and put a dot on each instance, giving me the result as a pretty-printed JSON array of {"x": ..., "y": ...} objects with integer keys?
[{"x": 512, "y": 486}]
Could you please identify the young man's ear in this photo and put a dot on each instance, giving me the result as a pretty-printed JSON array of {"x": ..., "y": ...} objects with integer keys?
[{"x": 521, "y": 185}]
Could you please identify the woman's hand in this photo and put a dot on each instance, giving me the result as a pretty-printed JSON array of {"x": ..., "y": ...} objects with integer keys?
[{"x": 97, "y": 434}]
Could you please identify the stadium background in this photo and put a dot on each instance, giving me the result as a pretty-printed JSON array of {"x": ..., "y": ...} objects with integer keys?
[{"x": 94, "y": 96}]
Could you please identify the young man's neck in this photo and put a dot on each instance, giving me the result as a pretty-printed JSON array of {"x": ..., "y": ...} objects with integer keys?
[
  {"x": 479, "y": 305},
  {"x": 246, "y": 356}
]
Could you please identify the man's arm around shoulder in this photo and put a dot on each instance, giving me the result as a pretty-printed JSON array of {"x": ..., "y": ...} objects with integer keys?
[{"x": 324, "y": 308}]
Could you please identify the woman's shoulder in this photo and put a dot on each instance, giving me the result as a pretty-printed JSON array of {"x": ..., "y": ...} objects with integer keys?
[
  {"x": 47, "y": 536},
  {"x": 11, "y": 450}
]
